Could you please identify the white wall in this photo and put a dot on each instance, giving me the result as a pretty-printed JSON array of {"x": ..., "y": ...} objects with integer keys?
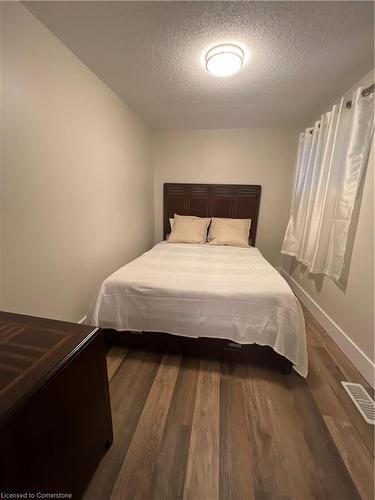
[
  {"x": 237, "y": 156},
  {"x": 77, "y": 193},
  {"x": 347, "y": 309}
]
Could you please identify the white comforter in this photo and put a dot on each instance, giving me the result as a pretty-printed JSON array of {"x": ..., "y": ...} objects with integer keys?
[{"x": 205, "y": 291}]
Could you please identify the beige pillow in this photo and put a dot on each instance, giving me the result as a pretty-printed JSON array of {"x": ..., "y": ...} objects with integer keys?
[
  {"x": 234, "y": 232},
  {"x": 189, "y": 229}
]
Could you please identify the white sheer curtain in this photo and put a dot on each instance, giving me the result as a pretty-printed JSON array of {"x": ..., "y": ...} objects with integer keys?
[{"x": 331, "y": 159}]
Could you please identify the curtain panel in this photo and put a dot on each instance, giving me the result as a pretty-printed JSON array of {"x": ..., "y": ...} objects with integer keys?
[{"x": 331, "y": 160}]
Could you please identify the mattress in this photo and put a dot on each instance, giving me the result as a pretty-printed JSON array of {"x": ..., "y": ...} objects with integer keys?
[{"x": 204, "y": 291}]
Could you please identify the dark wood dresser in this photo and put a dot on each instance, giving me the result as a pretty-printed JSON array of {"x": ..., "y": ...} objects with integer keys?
[{"x": 55, "y": 414}]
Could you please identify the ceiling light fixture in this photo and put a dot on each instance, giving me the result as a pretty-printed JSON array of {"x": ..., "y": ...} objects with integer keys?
[{"x": 224, "y": 59}]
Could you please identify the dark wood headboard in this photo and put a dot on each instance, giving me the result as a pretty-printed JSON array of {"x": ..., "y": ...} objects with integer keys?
[{"x": 237, "y": 201}]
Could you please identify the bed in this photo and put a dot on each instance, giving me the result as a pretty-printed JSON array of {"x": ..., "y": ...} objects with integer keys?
[{"x": 222, "y": 294}]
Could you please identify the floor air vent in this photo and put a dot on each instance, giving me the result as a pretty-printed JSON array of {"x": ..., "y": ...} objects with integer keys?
[{"x": 362, "y": 400}]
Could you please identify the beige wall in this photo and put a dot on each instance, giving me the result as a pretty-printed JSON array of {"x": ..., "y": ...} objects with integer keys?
[
  {"x": 350, "y": 304},
  {"x": 77, "y": 194},
  {"x": 243, "y": 156}
]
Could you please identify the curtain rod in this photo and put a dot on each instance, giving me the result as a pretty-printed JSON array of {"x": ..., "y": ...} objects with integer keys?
[{"x": 364, "y": 93}]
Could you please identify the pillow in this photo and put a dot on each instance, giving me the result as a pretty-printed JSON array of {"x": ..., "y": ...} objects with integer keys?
[
  {"x": 234, "y": 232},
  {"x": 189, "y": 229}
]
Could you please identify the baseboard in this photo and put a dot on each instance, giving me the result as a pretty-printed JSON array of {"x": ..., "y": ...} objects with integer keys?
[
  {"x": 83, "y": 320},
  {"x": 359, "y": 359}
]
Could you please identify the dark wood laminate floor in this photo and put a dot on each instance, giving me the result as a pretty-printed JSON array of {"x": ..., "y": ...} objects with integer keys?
[{"x": 204, "y": 430}]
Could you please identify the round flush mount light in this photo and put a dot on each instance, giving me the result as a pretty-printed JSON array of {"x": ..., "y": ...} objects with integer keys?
[{"x": 224, "y": 59}]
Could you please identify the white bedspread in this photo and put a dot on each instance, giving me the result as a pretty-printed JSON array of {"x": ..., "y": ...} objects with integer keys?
[{"x": 205, "y": 291}]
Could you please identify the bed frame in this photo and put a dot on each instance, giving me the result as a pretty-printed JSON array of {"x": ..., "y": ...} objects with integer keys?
[
  {"x": 236, "y": 201},
  {"x": 239, "y": 201}
]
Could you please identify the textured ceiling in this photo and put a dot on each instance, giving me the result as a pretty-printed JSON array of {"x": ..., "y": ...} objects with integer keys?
[{"x": 301, "y": 56}]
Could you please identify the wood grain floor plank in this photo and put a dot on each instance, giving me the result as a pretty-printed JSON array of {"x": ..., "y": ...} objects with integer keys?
[
  {"x": 198, "y": 432},
  {"x": 333, "y": 479},
  {"x": 263, "y": 495},
  {"x": 322, "y": 339},
  {"x": 313, "y": 336},
  {"x": 115, "y": 357},
  {"x": 331, "y": 375},
  {"x": 129, "y": 389},
  {"x": 346, "y": 367},
  {"x": 202, "y": 474},
  {"x": 277, "y": 439},
  {"x": 134, "y": 479},
  {"x": 236, "y": 462},
  {"x": 324, "y": 395},
  {"x": 169, "y": 473},
  {"x": 355, "y": 455},
  {"x": 259, "y": 421}
]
